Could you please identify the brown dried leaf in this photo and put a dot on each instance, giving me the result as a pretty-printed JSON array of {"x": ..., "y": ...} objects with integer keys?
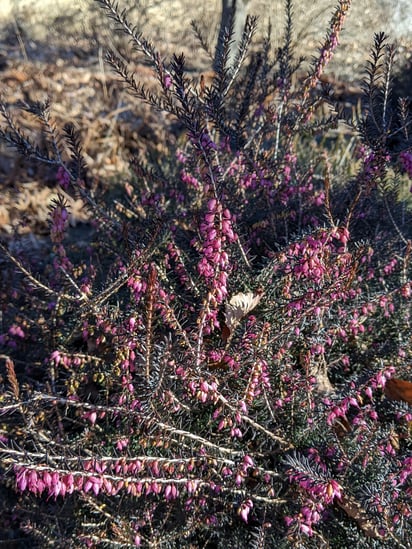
[
  {"x": 12, "y": 378},
  {"x": 239, "y": 306},
  {"x": 355, "y": 510},
  {"x": 399, "y": 389}
]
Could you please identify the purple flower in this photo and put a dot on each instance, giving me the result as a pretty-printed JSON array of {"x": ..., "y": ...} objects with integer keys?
[
  {"x": 405, "y": 158},
  {"x": 244, "y": 509}
]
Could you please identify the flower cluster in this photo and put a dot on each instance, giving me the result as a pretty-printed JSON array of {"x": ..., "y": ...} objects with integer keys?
[
  {"x": 319, "y": 491},
  {"x": 314, "y": 255},
  {"x": 214, "y": 266},
  {"x": 406, "y": 162},
  {"x": 258, "y": 381},
  {"x": 137, "y": 476},
  {"x": 330, "y": 44},
  {"x": 216, "y": 231},
  {"x": 63, "y": 178},
  {"x": 374, "y": 166}
]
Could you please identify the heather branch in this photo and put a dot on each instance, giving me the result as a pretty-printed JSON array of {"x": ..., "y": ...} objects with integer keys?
[
  {"x": 28, "y": 459},
  {"x": 119, "y": 410},
  {"x": 42, "y": 112},
  {"x": 39, "y": 285},
  {"x": 283, "y": 443},
  {"x": 388, "y": 210},
  {"x": 163, "y": 402},
  {"x": 201, "y": 39},
  {"x": 107, "y": 460},
  {"x": 92, "y": 469},
  {"x": 326, "y": 51},
  {"x": 140, "y": 43},
  {"x": 201, "y": 440},
  {"x": 14, "y": 137},
  {"x": 139, "y": 90},
  {"x": 151, "y": 294},
  {"x": 387, "y": 87},
  {"x": 249, "y": 31}
]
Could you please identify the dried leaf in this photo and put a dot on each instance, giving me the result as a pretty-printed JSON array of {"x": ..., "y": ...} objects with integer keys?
[
  {"x": 355, "y": 510},
  {"x": 12, "y": 378},
  {"x": 398, "y": 389},
  {"x": 239, "y": 306}
]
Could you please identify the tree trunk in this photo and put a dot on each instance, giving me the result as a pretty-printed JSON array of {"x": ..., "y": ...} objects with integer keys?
[{"x": 236, "y": 9}]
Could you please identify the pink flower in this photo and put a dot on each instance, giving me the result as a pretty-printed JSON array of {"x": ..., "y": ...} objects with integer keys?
[
  {"x": 91, "y": 416},
  {"x": 63, "y": 177},
  {"x": 333, "y": 490},
  {"x": 171, "y": 492},
  {"x": 306, "y": 529},
  {"x": 17, "y": 331},
  {"x": 167, "y": 81},
  {"x": 21, "y": 479},
  {"x": 248, "y": 461},
  {"x": 368, "y": 392},
  {"x": 245, "y": 509}
]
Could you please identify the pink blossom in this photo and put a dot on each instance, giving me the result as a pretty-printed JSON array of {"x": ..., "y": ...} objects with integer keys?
[
  {"x": 17, "y": 331},
  {"x": 368, "y": 392},
  {"x": 91, "y": 416},
  {"x": 170, "y": 492},
  {"x": 167, "y": 81},
  {"x": 63, "y": 177},
  {"x": 244, "y": 509}
]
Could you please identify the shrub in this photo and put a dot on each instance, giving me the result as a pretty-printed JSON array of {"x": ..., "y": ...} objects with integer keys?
[{"x": 227, "y": 362}]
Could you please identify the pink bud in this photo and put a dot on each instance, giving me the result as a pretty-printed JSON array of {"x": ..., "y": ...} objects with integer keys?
[
  {"x": 247, "y": 460},
  {"x": 22, "y": 480},
  {"x": 368, "y": 392},
  {"x": 211, "y": 205},
  {"x": 244, "y": 509},
  {"x": 87, "y": 485}
]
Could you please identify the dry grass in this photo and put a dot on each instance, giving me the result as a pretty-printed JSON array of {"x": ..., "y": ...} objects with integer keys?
[
  {"x": 168, "y": 22},
  {"x": 56, "y": 48}
]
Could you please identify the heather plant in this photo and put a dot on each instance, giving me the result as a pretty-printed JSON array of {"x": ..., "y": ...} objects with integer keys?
[{"x": 227, "y": 362}]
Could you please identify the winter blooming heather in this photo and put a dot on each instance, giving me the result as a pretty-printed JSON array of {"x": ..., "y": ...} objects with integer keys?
[{"x": 227, "y": 363}]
